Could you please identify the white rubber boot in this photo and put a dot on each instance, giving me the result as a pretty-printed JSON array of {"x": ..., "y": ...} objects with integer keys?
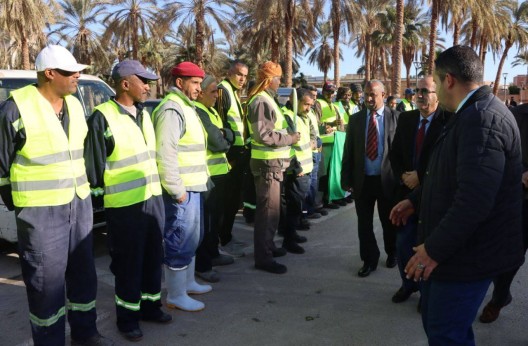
[
  {"x": 177, "y": 298},
  {"x": 192, "y": 286}
]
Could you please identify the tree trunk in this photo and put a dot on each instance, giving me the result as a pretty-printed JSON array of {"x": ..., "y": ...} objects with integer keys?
[
  {"x": 384, "y": 70},
  {"x": 135, "y": 36},
  {"x": 397, "y": 48},
  {"x": 432, "y": 37},
  {"x": 25, "y": 52},
  {"x": 456, "y": 32},
  {"x": 508, "y": 45},
  {"x": 275, "y": 53},
  {"x": 200, "y": 29},
  {"x": 367, "y": 57},
  {"x": 288, "y": 68},
  {"x": 336, "y": 29},
  {"x": 474, "y": 28}
]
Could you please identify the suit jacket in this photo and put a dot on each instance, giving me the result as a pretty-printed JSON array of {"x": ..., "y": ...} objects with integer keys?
[
  {"x": 353, "y": 168},
  {"x": 521, "y": 116},
  {"x": 403, "y": 146}
]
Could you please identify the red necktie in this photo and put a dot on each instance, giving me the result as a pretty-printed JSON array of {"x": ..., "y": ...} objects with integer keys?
[
  {"x": 420, "y": 138},
  {"x": 372, "y": 138}
]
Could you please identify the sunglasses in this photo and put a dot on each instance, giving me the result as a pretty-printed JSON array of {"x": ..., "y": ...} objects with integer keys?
[
  {"x": 64, "y": 73},
  {"x": 424, "y": 91}
]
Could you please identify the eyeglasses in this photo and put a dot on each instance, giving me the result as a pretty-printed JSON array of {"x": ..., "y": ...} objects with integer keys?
[
  {"x": 424, "y": 91},
  {"x": 64, "y": 73}
]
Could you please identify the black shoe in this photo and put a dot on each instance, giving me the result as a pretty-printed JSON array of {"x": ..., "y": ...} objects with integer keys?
[
  {"x": 391, "y": 262},
  {"x": 331, "y": 206},
  {"x": 133, "y": 335},
  {"x": 222, "y": 260},
  {"x": 279, "y": 252},
  {"x": 299, "y": 239},
  {"x": 322, "y": 211},
  {"x": 402, "y": 295},
  {"x": 366, "y": 270},
  {"x": 273, "y": 267},
  {"x": 340, "y": 202},
  {"x": 95, "y": 340},
  {"x": 162, "y": 318},
  {"x": 293, "y": 247},
  {"x": 349, "y": 199}
]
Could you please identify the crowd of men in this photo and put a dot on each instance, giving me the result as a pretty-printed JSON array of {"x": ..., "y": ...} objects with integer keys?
[{"x": 445, "y": 173}]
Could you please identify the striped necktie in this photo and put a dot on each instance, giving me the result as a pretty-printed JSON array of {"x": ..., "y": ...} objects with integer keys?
[{"x": 372, "y": 138}]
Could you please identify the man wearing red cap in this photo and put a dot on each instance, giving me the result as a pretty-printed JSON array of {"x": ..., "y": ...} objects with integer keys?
[
  {"x": 270, "y": 152},
  {"x": 182, "y": 164}
]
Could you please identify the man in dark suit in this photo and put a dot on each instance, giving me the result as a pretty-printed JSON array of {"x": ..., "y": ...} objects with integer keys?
[
  {"x": 415, "y": 136},
  {"x": 366, "y": 171}
]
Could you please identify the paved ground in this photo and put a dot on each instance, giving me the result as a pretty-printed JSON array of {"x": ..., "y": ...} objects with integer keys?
[{"x": 320, "y": 301}]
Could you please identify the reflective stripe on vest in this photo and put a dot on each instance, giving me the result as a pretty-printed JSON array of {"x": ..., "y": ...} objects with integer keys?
[
  {"x": 49, "y": 170},
  {"x": 261, "y": 151},
  {"x": 216, "y": 162},
  {"x": 234, "y": 117},
  {"x": 302, "y": 149},
  {"x": 191, "y": 147},
  {"x": 131, "y": 175}
]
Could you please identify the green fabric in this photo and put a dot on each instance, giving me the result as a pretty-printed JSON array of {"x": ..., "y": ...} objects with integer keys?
[{"x": 334, "y": 172}]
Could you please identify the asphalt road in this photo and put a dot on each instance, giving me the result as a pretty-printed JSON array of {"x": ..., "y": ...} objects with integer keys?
[{"x": 320, "y": 301}]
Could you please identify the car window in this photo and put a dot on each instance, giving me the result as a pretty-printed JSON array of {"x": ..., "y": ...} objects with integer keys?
[{"x": 90, "y": 92}]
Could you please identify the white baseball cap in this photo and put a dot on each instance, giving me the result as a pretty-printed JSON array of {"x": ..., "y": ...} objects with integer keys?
[{"x": 57, "y": 57}]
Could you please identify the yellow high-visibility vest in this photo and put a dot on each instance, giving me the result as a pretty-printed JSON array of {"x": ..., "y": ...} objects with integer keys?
[
  {"x": 192, "y": 158},
  {"x": 264, "y": 152},
  {"x": 49, "y": 170},
  {"x": 302, "y": 149},
  {"x": 131, "y": 175},
  {"x": 235, "y": 118},
  {"x": 216, "y": 162}
]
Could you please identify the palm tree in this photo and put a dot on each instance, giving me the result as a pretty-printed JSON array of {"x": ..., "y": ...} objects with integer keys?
[
  {"x": 435, "y": 10},
  {"x": 342, "y": 11},
  {"x": 25, "y": 21},
  {"x": 322, "y": 54},
  {"x": 130, "y": 20},
  {"x": 75, "y": 28},
  {"x": 397, "y": 48},
  {"x": 517, "y": 33},
  {"x": 196, "y": 11}
]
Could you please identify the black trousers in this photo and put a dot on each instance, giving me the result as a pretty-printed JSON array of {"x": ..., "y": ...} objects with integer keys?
[
  {"x": 135, "y": 246},
  {"x": 213, "y": 217},
  {"x": 239, "y": 159},
  {"x": 502, "y": 283},
  {"x": 371, "y": 193},
  {"x": 293, "y": 193}
]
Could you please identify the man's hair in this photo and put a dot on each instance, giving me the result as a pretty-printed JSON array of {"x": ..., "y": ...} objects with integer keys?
[
  {"x": 462, "y": 62},
  {"x": 234, "y": 64},
  {"x": 301, "y": 93},
  {"x": 375, "y": 81},
  {"x": 310, "y": 87},
  {"x": 341, "y": 91}
]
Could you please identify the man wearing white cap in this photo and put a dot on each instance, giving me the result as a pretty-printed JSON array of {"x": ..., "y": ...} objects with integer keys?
[
  {"x": 42, "y": 177},
  {"x": 120, "y": 153}
]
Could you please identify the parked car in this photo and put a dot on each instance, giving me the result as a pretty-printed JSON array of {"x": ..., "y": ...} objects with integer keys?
[
  {"x": 91, "y": 91},
  {"x": 150, "y": 105}
]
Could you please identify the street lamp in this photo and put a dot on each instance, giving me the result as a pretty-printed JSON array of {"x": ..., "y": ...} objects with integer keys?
[
  {"x": 417, "y": 65},
  {"x": 505, "y": 74}
]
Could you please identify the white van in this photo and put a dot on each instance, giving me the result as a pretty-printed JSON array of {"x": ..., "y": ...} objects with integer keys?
[{"x": 91, "y": 91}]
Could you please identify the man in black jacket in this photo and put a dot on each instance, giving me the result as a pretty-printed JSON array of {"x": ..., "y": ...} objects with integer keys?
[
  {"x": 366, "y": 171},
  {"x": 415, "y": 137},
  {"x": 469, "y": 227},
  {"x": 501, "y": 284}
]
